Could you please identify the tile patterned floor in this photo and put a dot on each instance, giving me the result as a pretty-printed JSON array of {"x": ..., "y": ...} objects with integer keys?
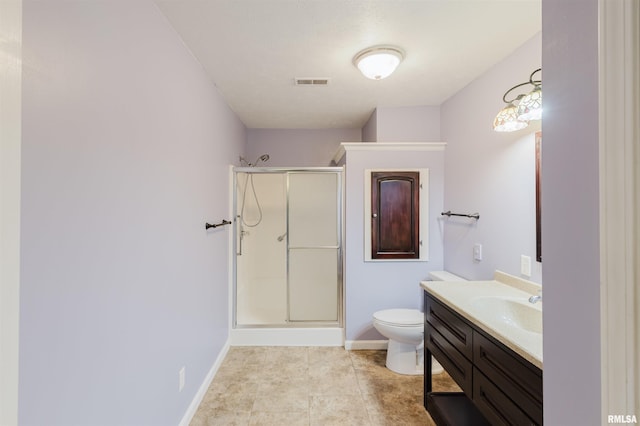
[{"x": 313, "y": 386}]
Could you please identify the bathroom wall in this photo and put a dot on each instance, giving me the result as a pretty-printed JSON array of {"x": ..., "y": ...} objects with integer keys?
[
  {"x": 490, "y": 173},
  {"x": 370, "y": 128},
  {"x": 371, "y": 286},
  {"x": 570, "y": 229},
  {"x": 403, "y": 124},
  {"x": 298, "y": 147},
  {"x": 408, "y": 124},
  {"x": 126, "y": 146}
]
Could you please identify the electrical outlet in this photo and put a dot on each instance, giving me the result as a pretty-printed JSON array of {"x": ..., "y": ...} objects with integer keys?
[
  {"x": 525, "y": 265},
  {"x": 181, "y": 376},
  {"x": 477, "y": 252}
]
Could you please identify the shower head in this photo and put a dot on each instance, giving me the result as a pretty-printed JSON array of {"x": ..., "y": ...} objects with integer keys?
[{"x": 263, "y": 158}]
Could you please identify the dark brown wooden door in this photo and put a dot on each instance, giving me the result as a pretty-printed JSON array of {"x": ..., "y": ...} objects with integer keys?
[{"x": 395, "y": 223}]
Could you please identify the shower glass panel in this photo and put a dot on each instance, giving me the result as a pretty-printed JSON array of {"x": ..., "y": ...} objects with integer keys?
[
  {"x": 313, "y": 247},
  {"x": 288, "y": 264},
  {"x": 313, "y": 294},
  {"x": 261, "y": 269}
]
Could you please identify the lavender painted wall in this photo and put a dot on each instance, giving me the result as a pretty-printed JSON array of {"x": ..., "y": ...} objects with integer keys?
[
  {"x": 125, "y": 151},
  {"x": 490, "y": 173},
  {"x": 570, "y": 228},
  {"x": 298, "y": 147},
  {"x": 370, "y": 128},
  {"x": 408, "y": 124},
  {"x": 371, "y": 286}
]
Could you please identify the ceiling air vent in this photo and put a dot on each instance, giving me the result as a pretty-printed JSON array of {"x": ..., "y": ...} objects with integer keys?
[{"x": 308, "y": 81}]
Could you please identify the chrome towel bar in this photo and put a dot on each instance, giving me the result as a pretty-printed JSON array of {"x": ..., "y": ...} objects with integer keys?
[
  {"x": 476, "y": 216},
  {"x": 215, "y": 225}
]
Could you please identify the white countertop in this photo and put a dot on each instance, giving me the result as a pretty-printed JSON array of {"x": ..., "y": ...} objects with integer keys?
[{"x": 499, "y": 307}]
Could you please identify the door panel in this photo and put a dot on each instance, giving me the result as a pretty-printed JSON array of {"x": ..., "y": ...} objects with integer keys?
[
  {"x": 395, "y": 215},
  {"x": 313, "y": 209},
  {"x": 313, "y": 285},
  {"x": 313, "y": 217}
]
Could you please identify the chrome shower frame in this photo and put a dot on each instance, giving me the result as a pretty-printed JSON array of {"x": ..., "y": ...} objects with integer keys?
[{"x": 339, "y": 172}]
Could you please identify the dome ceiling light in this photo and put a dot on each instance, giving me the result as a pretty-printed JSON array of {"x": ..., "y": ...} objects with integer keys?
[{"x": 378, "y": 62}]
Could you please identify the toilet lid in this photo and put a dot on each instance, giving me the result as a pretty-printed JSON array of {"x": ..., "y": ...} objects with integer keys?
[{"x": 400, "y": 317}]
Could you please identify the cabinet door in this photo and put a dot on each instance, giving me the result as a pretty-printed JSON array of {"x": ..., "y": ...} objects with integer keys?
[
  {"x": 457, "y": 366},
  {"x": 450, "y": 325},
  {"x": 495, "y": 405},
  {"x": 510, "y": 373},
  {"x": 395, "y": 224}
]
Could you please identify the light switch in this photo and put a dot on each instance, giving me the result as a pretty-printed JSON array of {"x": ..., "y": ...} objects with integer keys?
[
  {"x": 181, "y": 379},
  {"x": 477, "y": 252},
  {"x": 525, "y": 265}
]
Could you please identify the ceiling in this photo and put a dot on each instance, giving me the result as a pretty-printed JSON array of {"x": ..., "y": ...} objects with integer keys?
[{"x": 253, "y": 49}]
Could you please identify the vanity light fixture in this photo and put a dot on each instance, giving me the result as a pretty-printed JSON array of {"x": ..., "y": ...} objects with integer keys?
[
  {"x": 507, "y": 119},
  {"x": 529, "y": 107},
  {"x": 378, "y": 62}
]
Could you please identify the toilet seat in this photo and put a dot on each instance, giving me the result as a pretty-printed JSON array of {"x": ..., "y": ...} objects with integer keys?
[{"x": 400, "y": 317}]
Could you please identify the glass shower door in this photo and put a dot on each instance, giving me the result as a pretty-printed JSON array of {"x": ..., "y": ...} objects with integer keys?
[
  {"x": 313, "y": 247},
  {"x": 261, "y": 272}
]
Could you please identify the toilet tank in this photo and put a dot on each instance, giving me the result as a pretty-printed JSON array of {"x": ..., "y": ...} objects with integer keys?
[{"x": 444, "y": 276}]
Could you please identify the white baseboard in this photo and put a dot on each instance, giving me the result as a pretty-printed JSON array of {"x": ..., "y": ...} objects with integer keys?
[
  {"x": 197, "y": 399},
  {"x": 361, "y": 345}
]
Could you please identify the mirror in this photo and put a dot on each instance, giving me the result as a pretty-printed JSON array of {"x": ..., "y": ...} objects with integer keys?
[{"x": 538, "y": 199}]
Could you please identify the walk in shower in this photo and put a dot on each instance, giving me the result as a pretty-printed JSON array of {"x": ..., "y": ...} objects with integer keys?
[{"x": 288, "y": 262}]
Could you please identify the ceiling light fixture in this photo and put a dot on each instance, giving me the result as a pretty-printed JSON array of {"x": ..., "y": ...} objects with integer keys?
[
  {"x": 378, "y": 62},
  {"x": 529, "y": 107}
]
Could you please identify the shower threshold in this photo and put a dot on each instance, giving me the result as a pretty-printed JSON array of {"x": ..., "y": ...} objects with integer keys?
[{"x": 320, "y": 336}]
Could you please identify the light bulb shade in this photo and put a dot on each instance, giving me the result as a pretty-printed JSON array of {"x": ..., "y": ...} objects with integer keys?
[
  {"x": 378, "y": 62},
  {"x": 507, "y": 120},
  {"x": 530, "y": 107}
]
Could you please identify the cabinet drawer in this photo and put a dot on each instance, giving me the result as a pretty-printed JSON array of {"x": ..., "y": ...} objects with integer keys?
[
  {"x": 498, "y": 409},
  {"x": 459, "y": 368},
  {"x": 522, "y": 382},
  {"x": 450, "y": 325}
]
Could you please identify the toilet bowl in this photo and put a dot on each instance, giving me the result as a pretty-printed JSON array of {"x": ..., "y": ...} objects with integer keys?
[{"x": 405, "y": 330}]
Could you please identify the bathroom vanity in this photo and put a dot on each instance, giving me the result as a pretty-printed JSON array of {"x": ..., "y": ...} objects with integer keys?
[{"x": 488, "y": 337}]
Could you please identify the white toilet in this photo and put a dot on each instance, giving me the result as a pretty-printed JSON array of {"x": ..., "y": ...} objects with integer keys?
[{"x": 405, "y": 330}]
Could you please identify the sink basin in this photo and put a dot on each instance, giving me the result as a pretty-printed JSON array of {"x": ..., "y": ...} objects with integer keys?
[
  {"x": 498, "y": 307},
  {"x": 512, "y": 312}
]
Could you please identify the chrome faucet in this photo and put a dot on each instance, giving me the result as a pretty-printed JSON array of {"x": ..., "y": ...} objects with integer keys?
[{"x": 534, "y": 299}]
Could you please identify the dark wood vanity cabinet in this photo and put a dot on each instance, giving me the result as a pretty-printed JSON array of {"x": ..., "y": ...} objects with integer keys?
[
  {"x": 450, "y": 340},
  {"x": 499, "y": 386}
]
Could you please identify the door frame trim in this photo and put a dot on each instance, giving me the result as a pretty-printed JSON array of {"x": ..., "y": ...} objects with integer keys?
[
  {"x": 10, "y": 195},
  {"x": 619, "y": 157}
]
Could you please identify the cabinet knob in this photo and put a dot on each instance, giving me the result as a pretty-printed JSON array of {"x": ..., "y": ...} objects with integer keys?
[{"x": 375, "y": 215}]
